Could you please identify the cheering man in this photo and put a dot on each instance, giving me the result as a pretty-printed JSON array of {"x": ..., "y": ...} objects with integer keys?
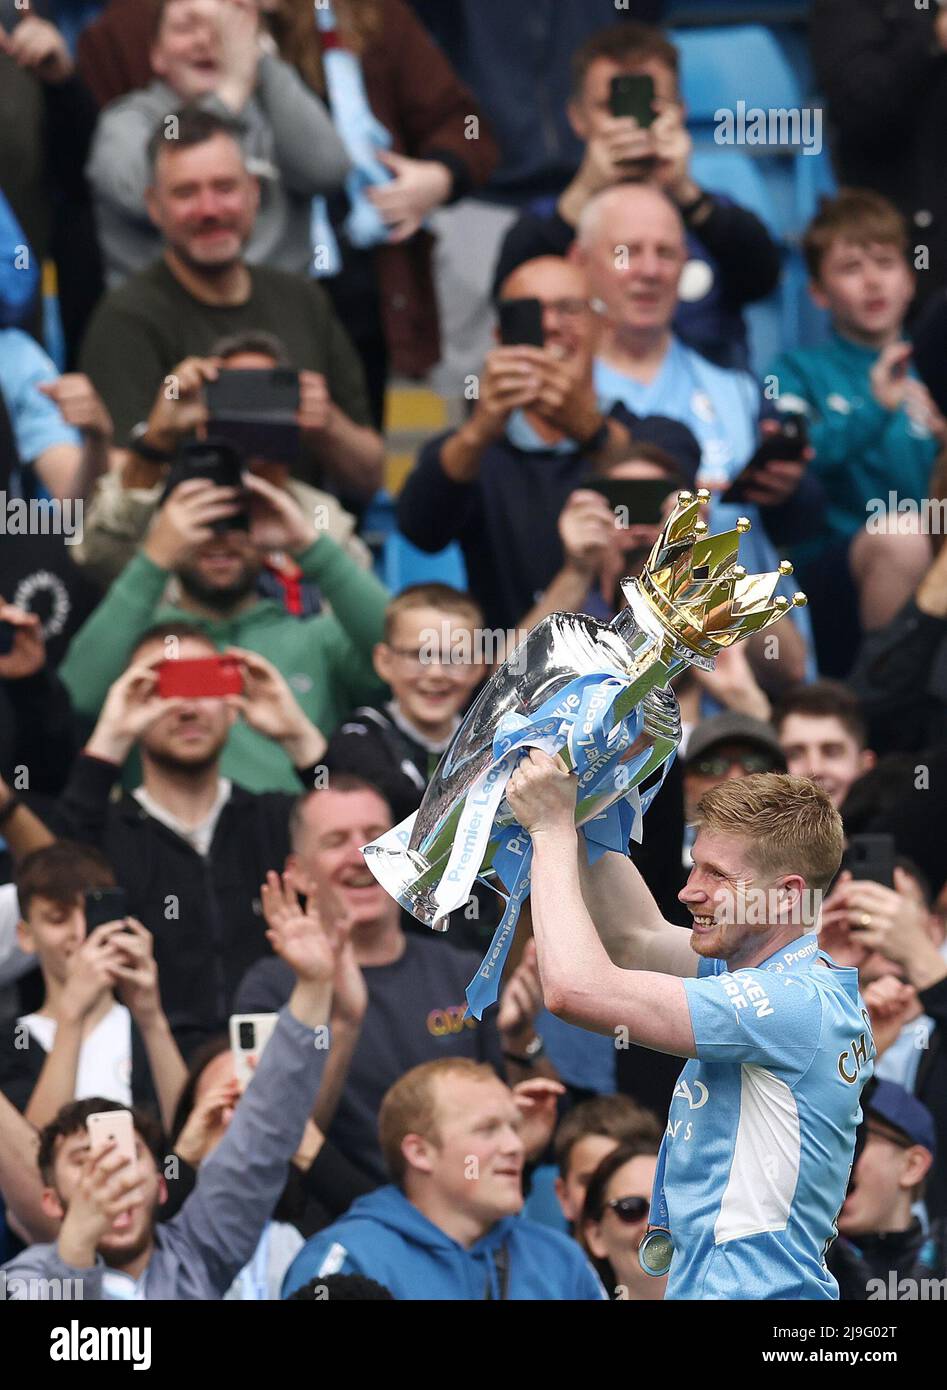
[{"x": 761, "y": 1131}]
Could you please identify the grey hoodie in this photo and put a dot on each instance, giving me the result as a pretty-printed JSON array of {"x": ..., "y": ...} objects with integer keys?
[
  {"x": 289, "y": 142},
  {"x": 199, "y": 1252}
]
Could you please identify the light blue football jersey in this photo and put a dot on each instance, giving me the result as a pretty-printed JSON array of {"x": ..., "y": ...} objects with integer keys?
[{"x": 761, "y": 1128}]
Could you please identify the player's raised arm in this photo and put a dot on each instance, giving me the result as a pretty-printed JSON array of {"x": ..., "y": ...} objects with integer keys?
[
  {"x": 580, "y": 983},
  {"x": 628, "y": 920}
]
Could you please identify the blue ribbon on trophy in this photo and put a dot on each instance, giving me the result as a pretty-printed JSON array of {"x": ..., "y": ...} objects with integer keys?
[
  {"x": 581, "y": 718},
  {"x": 599, "y": 694}
]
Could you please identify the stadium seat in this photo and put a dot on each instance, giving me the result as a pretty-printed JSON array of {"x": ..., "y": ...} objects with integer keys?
[
  {"x": 403, "y": 564},
  {"x": 720, "y": 66},
  {"x": 735, "y": 174}
]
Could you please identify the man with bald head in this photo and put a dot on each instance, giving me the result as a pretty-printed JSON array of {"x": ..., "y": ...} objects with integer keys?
[
  {"x": 498, "y": 483},
  {"x": 731, "y": 260},
  {"x": 631, "y": 245}
]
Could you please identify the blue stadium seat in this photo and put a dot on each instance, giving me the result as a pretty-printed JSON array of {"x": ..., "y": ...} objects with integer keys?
[
  {"x": 542, "y": 1204},
  {"x": 735, "y": 174},
  {"x": 403, "y": 564},
  {"x": 738, "y": 12},
  {"x": 720, "y": 66}
]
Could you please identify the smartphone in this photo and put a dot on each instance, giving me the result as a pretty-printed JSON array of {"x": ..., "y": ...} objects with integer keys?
[
  {"x": 256, "y": 409},
  {"x": 521, "y": 322},
  {"x": 929, "y": 354},
  {"x": 789, "y": 442},
  {"x": 249, "y": 1034},
  {"x": 7, "y": 638},
  {"x": 197, "y": 678},
  {"x": 104, "y": 905},
  {"x": 221, "y": 463},
  {"x": 640, "y": 499},
  {"x": 106, "y": 1125},
  {"x": 871, "y": 857},
  {"x": 631, "y": 94}
]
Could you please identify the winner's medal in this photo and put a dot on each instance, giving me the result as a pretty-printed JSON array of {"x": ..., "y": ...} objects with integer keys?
[{"x": 655, "y": 1252}]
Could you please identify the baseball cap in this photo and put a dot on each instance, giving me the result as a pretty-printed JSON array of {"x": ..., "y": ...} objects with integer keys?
[
  {"x": 898, "y": 1108},
  {"x": 734, "y": 728}
]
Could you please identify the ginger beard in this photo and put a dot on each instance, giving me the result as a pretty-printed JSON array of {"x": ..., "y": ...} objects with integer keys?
[
  {"x": 714, "y": 933},
  {"x": 727, "y": 895}
]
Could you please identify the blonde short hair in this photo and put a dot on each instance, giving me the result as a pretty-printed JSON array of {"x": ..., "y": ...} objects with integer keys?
[
  {"x": 791, "y": 824},
  {"x": 440, "y": 596},
  {"x": 410, "y": 1106}
]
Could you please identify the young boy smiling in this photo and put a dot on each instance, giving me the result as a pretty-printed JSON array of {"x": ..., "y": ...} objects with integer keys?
[{"x": 428, "y": 659}]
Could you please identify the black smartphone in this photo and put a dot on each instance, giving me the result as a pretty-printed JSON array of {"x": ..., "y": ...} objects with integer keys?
[
  {"x": 929, "y": 354},
  {"x": 256, "y": 410},
  {"x": 222, "y": 463},
  {"x": 7, "y": 638},
  {"x": 871, "y": 857},
  {"x": 521, "y": 321},
  {"x": 789, "y": 442},
  {"x": 104, "y": 905},
  {"x": 632, "y": 94},
  {"x": 636, "y": 501}
]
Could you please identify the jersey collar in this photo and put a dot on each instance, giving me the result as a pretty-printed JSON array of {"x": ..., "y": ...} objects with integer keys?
[{"x": 797, "y": 955}]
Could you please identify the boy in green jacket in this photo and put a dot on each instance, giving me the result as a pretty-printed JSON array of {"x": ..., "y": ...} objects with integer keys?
[
  {"x": 327, "y": 659},
  {"x": 874, "y": 428}
]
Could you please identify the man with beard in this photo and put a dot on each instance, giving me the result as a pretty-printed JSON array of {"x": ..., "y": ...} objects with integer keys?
[
  {"x": 212, "y": 54},
  {"x": 327, "y": 659},
  {"x": 189, "y": 846},
  {"x": 204, "y": 201},
  {"x": 103, "y": 1206},
  {"x": 761, "y": 1129}
]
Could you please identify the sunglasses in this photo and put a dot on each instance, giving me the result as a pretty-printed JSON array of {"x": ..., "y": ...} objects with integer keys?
[
  {"x": 629, "y": 1209},
  {"x": 719, "y": 767}
]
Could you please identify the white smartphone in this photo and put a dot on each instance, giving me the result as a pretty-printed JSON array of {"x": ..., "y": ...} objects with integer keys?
[
  {"x": 249, "y": 1034},
  {"x": 106, "y": 1125}
]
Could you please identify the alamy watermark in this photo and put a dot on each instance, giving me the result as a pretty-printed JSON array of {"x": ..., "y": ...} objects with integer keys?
[
  {"x": 779, "y": 126},
  {"x": 42, "y": 516},
  {"x": 906, "y": 516},
  {"x": 448, "y": 645}
]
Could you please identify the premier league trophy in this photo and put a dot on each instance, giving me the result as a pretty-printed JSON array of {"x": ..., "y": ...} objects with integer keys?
[{"x": 593, "y": 692}]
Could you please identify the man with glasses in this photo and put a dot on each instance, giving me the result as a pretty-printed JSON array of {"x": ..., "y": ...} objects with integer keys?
[
  {"x": 724, "y": 747},
  {"x": 498, "y": 483},
  {"x": 884, "y": 1251}
]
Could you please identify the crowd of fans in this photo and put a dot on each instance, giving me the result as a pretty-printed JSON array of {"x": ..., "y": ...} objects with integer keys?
[{"x": 328, "y": 198}]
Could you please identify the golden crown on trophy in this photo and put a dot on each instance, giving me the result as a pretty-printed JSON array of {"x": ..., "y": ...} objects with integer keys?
[{"x": 701, "y": 592}]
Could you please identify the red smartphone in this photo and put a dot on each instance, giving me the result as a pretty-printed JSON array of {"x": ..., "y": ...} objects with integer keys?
[{"x": 206, "y": 677}]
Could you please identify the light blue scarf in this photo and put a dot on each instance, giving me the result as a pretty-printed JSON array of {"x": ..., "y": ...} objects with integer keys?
[{"x": 363, "y": 135}]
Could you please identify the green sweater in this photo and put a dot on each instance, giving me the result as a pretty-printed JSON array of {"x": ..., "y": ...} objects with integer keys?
[
  {"x": 326, "y": 659},
  {"x": 862, "y": 450}
]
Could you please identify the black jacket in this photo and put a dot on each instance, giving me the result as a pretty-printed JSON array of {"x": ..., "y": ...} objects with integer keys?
[
  {"x": 204, "y": 914},
  {"x": 873, "y": 1267},
  {"x": 20, "y": 1069},
  {"x": 901, "y": 679},
  {"x": 885, "y": 81},
  {"x": 372, "y": 745},
  {"x": 506, "y": 521},
  {"x": 930, "y": 1086}
]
